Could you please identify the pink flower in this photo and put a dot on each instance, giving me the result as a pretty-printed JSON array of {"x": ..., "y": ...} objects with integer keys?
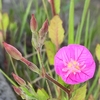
[{"x": 74, "y": 64}]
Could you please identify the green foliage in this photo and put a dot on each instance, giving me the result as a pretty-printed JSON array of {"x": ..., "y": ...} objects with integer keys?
[
  {"x": 42, "y": 95},
  {"x": 87, "y": 30},
  {"x": 4, "y": 22},
  {"x": 13, "y": 26},
  {"x": 56, "y": 31},
  {"x": 12, "y": 82},
  {"x": 71, "y": 23},
  {"x": 94, "y": 84},
  {"x": 79, "y": 32},
  {"x": 51, "y": 50},
  {"x": 24, "y": 19},
  {"x": 57, "y": 6},
  {"x": 80, "y": 93},
  {"x": 27, "y": 93}
]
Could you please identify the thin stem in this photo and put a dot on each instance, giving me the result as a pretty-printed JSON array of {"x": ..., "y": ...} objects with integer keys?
[
  {"x": 39, "y": 58},
  {"x": 13, "y": 65},
  {"x": 48, "y": 89},
  {"x": 39, "y": 78},
  {"x": 50, "y": 72},
  {"x": 58, "y": 84},
  {"x": 8, "y": 78},
  {"x": 52, "y": 7},
  {"x": 45, "y": 8},
  {"x": 32, "y": 54}
]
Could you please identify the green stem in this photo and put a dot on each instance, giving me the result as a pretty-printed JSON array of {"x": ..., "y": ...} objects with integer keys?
[
  {"x": 8, "y": 78},
  {"x": 45, "y": 8},
  {"x": 13, "y": 65},
  {"x": 39, "y": 58},
  {"x": 49, "y": 91}
]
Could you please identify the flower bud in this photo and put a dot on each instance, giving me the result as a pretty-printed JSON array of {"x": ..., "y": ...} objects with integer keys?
[
  {"x": 42, "y": 33},
  {"x": 30, "y": 65},
  {"x": 44, "y": 29},
  {"x": 12, "y": 51},
  {"x": 17, "y": 90},
  {"x": 19, "y": 80},
  {"x": 33, "y": 24}
]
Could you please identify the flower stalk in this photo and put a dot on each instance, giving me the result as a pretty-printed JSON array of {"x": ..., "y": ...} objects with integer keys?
[
  {"x": 52, "y": 7},
  {"x": 58, "y": 84}
]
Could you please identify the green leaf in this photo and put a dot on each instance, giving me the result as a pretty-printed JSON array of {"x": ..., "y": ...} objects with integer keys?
[
  {"x": 71, "y": 23},
  {"x": 56, "y": 31},
  {"x": 80, "y": 93},
  {"x": 42, "y": 95},
  {"x": 26, "y": 91},
  {"x": 4, "y": 22},
  {"x": 97, "y": 51},
  {"x": 50, "y": 49},
  {"x": 57, "y": 6}
]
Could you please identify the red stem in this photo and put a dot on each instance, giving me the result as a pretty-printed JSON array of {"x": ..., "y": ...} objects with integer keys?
[
  {"x": 58, "y": 84},
  {"x": 53, "y": 7}
]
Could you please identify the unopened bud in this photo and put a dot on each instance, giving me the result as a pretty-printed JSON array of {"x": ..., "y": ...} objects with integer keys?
[
  {"x": 17, "y": 90},
  {"x": 44, "y": 29},
  {"x": 30, "y": 65},
  {"x": 12, "y": 51},
  {"x": 33, "y": 24},
  {"x": 1, "y": 38},
  {"x": 19, "y": 80}
]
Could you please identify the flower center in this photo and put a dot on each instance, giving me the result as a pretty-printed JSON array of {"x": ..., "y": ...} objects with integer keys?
[{"x": 72, "y": 67}]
